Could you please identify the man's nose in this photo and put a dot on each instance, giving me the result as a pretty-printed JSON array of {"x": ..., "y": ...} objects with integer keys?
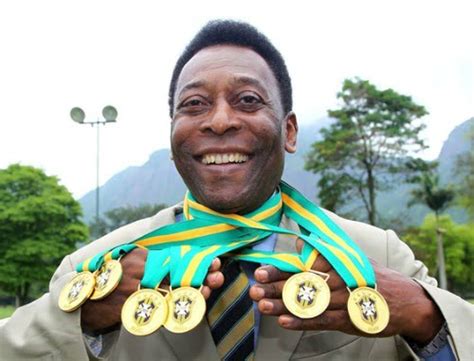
[{"x": 222, "y": 119}]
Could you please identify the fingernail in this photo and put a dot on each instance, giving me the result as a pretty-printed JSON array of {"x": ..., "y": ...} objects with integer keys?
[
  {"x": 258, "y": 292},
  {"x": 267, "y": 306},
  {"x": 261, "y": 274},
  {"x": 286, "y": 320}
]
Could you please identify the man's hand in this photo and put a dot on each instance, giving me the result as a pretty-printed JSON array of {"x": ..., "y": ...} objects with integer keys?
[
  {"x": 412, "y": 312},
  {"x": 103, "y": 315}
]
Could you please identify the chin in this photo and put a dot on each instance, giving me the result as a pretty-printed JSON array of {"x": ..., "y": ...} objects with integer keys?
[{"x": 232, "y": 199}]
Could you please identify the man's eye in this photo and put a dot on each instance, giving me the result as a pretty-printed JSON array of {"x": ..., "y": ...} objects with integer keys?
[
  {"x": 249, "y": 99},
  {"x": 192, "y": 103}
]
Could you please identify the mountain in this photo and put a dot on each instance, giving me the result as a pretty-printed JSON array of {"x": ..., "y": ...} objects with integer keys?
[
  {"x": 455, "y": 145},
  {"x": 157, "y": 181}
]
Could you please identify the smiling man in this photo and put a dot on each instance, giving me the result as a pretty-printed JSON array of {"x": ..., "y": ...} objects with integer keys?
[{"x": 232, "y": 122}]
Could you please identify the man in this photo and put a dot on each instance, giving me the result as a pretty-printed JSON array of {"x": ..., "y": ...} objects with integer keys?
[{"x": 232, "y": 121}]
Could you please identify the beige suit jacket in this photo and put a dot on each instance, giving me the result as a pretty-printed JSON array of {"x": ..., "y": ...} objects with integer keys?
[{"x": 40, "y": 331}]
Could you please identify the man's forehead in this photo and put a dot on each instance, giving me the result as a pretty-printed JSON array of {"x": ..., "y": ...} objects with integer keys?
[{"x": 246, "y": 65}]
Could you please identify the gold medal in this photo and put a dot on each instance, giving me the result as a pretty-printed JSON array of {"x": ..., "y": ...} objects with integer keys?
[
  {"x": 107, "y": 279},
  {"x": 306, "y": 294},
  {"x": 187, "y": 307},
  {"x": 368, "y": 310},
  {"x": 144, "y": 312},
  {"x": 76, "y": 291}
]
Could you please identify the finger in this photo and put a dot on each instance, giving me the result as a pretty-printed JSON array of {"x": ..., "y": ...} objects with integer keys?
[
  {"x": 215, "y": 265},
  {"x": 133, "y": 263},
  {"x": 267, "y": 274},
  {"x": 328, "y": 320},
  {"x": 206, "y": 292},
  {"x": 335, "y": 282},
  {"x": 273, "y": 307},
  {"x": 299, "y": 244},
  {"x": 214, "y": 280},
  {"x": 321, "y": 264},
  {"x": 269, "y": 290},
  {"x": 338, "y": 300}
]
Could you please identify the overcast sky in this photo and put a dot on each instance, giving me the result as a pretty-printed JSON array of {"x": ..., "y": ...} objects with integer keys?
[{"x": 59, "y": 54}]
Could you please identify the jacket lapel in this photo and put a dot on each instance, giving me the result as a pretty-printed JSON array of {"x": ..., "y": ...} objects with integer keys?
[{"x": 275, "y": 342}]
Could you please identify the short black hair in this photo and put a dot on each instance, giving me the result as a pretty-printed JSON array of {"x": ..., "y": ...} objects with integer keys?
[{"x": 231, "y": 32}]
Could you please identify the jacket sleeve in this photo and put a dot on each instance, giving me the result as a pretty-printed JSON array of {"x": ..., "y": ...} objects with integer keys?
[
  {"x": 41, "y": 331},
  {"x": 458, "y": 313}
]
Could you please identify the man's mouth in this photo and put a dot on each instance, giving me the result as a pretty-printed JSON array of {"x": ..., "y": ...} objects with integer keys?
[{"x": 224, "y": 158}]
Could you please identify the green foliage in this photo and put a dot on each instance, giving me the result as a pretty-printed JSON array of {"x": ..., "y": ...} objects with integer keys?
[
  {"x": 39, "y": 225},
  {"x": 465, "y": 169},
  {"x": 458, "y": 242},
  {"x": 121, "y": 216},
  {"x": 373, "y": 133},
  {"x": 429, "y": 191},
  {"x": 6, "y": 311}
]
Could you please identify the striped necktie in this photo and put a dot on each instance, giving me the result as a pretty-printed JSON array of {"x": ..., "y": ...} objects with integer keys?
[{"x": 231, "y": 316}]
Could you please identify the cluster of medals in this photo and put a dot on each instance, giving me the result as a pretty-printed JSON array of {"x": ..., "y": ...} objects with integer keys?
[
  {"x": 145, "y": 310},
  {"x": 187, "y": 249},
  {"x": 307, "y": 295}
]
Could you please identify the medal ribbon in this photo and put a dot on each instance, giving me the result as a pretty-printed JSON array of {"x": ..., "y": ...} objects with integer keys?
[
  {"x": 319, "y": 231},
  {"x": 206, "y": 234}
]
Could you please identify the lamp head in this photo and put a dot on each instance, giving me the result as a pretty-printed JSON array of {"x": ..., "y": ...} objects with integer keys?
[
  {"x": 109, "y": 113},
  {"x": 78, "y": 115}
]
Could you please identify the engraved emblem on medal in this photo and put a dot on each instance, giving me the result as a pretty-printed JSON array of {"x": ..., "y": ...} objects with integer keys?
[
  {"x": 306, "y": 294},
  {"x": 144, "y": 312},
  {"x": 76, "y": 291},
  {"x": 107, "y": 279},
  {"x": 187, "y": 307},
  {"x": 368, "y": 310}
]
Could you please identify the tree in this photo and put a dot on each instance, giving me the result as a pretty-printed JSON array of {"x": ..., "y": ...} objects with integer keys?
[
  {"x": 39, "y": 225},
  {"x": 121, "y": 216},
  {"x": 373, "y": 133},
  {"x": 435, "y": 197},
  {"x": 459, "y": 249},
  {"x": 465, "y": 170}
]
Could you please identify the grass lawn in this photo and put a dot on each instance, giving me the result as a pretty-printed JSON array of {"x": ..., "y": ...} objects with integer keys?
[{"x": 6, "y": 311}]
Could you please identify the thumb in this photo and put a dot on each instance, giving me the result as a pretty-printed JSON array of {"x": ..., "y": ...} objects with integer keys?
[{"x": 299, "y": 244}]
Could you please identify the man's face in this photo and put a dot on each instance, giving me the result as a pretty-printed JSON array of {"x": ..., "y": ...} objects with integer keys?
[{"x": 229, "y": 133}]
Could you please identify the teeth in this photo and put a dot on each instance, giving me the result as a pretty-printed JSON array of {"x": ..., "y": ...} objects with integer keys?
[{"x": 224, "y": 158}]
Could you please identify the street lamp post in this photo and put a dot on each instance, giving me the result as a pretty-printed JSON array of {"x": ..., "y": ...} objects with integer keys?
[{"x": 110, "y": 116}]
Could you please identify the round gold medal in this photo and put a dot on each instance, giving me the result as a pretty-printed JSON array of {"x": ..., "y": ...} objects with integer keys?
[
  {"x": 368, "y": 310},
  {"x": 107, "y": 279},
  {"x": 144, "y": 312},
  {"x": 187, "y": 307},
  {"x": 306, "y": 294},
  {"x": 76, "y": 291}
]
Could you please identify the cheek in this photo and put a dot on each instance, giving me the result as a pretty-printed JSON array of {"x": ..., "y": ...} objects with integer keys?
[{"x": 180, "y": 135}]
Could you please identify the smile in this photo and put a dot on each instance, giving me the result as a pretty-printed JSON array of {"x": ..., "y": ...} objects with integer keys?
[{"x": 224, "y": 158}]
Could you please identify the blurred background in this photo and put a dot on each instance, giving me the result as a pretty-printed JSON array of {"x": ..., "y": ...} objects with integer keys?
[{"x": 414, "y": 58}]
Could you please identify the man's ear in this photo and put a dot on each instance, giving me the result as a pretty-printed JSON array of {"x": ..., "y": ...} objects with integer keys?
[{"x": 291, "y": 131}]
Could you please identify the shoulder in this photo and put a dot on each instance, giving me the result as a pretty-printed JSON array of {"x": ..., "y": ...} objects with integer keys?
[{"x": 127, "y": 233}]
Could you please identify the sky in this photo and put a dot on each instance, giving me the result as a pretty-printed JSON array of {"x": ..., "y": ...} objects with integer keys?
[{"x": 56, "y": 55}]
